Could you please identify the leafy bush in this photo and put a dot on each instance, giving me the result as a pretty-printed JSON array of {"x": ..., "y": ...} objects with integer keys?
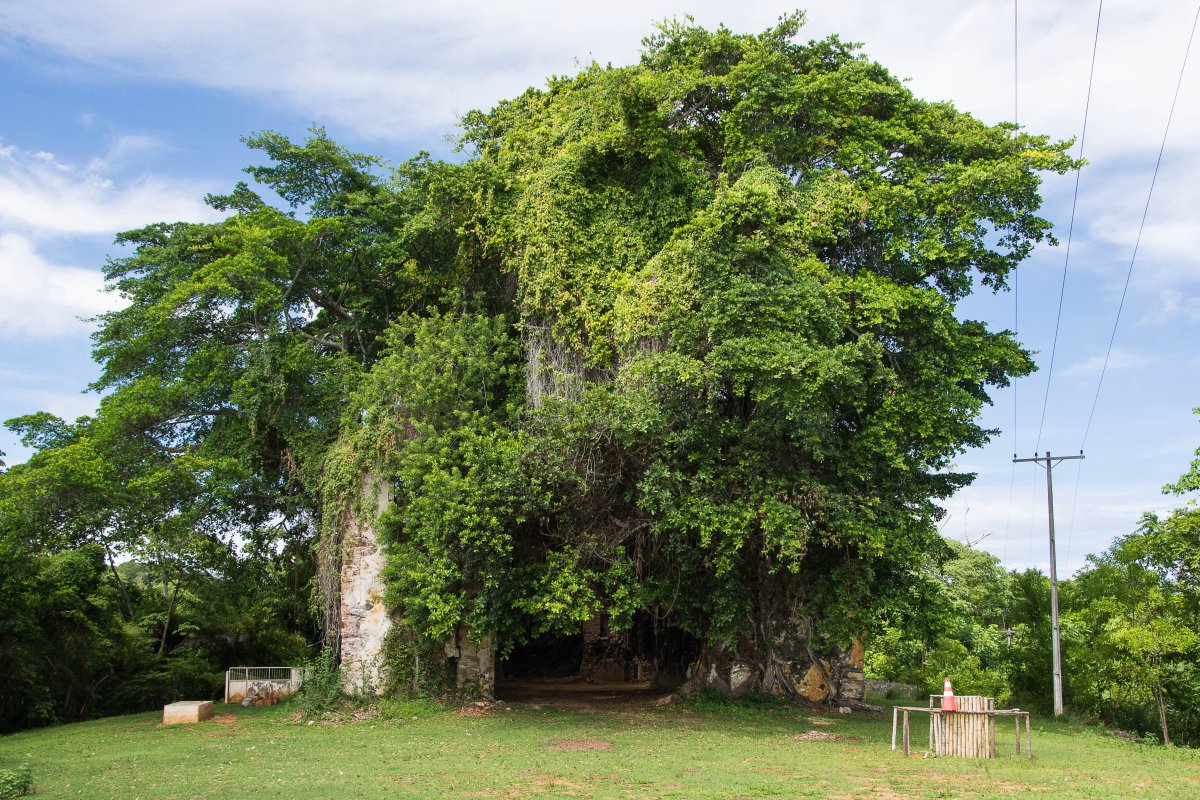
[
  {"x": 321, "y": 690},
  {"x": 414, "y": 665},
  {"x": 16, "y": 782},
  {"x": 950, "y": 657}
]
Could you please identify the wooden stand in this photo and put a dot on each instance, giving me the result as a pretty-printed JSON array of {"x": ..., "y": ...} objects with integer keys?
[{"x": 969, "y": 732}]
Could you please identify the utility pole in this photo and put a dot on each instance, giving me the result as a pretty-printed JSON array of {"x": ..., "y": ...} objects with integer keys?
[{"x": 1048, "y": 462}]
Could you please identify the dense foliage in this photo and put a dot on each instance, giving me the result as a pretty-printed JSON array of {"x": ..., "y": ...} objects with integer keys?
[
  {"x": 676, "y": 340},
  {"x": 728, "y": 381}
]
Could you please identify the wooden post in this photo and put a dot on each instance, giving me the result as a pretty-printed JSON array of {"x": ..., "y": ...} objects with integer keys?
[
  {"x": 895, "y": 713},
  {"x": 991, "y": 728},
  {"x": 906, "y": 734},
  {"x": 1028, "y": 736}
]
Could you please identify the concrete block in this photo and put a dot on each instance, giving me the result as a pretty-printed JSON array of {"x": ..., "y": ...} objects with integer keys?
[{"x": 187, "y": 711}]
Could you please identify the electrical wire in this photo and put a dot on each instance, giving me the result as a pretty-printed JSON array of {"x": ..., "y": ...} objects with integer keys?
[
  {"x": 1033, "y": 498},
  {"x": 1016, "y": 71},
  {"x": 1012, "y": 479},
  {"x": 1070, "y": 228},
  {"x": 1141, "y": 227},
  {"x": 1074, "y": 506}
]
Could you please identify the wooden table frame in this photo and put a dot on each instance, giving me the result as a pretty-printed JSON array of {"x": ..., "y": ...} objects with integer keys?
[{"x": 1015, "y": 713}]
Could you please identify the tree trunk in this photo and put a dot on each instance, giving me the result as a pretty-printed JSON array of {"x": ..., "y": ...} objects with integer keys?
[
  {"x": 1162, "y": 714},
  {"x": 162, "y": 644},
  {"x": 785, "y": 657},
  {"x": 126, "y": 607}
]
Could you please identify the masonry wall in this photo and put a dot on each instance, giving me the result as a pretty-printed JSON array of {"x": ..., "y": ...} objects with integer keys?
[
  {"x": 473, "y": 659},
  {"x": 364, "y": 621}
]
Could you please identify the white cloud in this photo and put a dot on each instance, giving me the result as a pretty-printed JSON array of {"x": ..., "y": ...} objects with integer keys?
[
  {"x": 390, "y": 70},
  {"x": 65, "y": 404},
  {"x": 42, "y": 195},
  {"x": 42, "y": 299},
  {"x": 1174, "y": 304},
  {"x": 122, "y": 151},
  {"x": 1112, "y": 207},
  {"x": 43, "y": 200},
  {"x": 1118, "y": 359}
]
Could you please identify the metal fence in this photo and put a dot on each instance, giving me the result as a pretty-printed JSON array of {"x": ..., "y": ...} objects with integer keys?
[{"x": 266, "y": 683}]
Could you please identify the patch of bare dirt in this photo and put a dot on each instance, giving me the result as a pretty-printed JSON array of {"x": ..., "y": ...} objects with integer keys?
[
  {"x": 222, "y": 726},
  {"x": 978, "y": 785},
  {"x": 577, "y": 745},
  {"x": 482, "y": 708},
  {"x": 819, "y": 736},
  {"x": 875, "y": 794}
]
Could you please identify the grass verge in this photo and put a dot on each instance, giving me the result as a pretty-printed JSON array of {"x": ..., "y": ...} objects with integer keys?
[{"x": 421, "y": 750}]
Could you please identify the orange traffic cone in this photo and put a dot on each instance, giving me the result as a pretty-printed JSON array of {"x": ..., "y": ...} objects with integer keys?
[{"x": 948, "y": 701}]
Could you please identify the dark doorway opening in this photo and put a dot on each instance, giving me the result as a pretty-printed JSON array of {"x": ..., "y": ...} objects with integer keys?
[
  {"x": 598, "y": 666},
  {"x": 545, "y": 657}
]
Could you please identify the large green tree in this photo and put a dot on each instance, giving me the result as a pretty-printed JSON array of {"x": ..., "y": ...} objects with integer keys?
[{"x": 735, "y": 269}]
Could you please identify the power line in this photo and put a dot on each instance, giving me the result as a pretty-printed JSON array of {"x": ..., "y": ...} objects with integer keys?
[
  {"x": 1029, "y": 563},
  {"x": 1070, "y": 228},
  {"x": 1074, "y": 507},
  {"x": 1016, "y": 72},
  {"x": 1138, "y": 241},
  {"x": 1012, "y": 479}
]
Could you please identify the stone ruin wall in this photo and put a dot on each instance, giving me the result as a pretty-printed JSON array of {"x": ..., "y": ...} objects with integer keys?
[
  {"x": 472, "y": 662},
  {"x": 363, "y": 619}
]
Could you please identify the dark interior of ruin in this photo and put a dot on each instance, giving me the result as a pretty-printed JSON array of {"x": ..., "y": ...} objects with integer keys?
[
  {"x": 544, "y": 657},
  {"x": 647, "y": 658}
]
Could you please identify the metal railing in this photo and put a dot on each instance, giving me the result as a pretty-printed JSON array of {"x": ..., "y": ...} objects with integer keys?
[{"x": 273, "y": 682}]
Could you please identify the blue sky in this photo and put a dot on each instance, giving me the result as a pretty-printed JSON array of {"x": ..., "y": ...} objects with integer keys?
[{"x": 117, "y": 114}]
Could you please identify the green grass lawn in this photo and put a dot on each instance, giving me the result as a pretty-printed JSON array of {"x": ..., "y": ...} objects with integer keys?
[{"x": 420, "y": 750}]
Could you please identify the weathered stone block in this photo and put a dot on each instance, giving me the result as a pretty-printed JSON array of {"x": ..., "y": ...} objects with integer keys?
[
  {"x": 476, "y": 666},
  {"x": 187, "y": 711},
  {"x": 813, "y": 686}
]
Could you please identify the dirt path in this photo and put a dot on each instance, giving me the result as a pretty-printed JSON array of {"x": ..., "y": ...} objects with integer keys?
[{"x": 577, "y": 694}]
